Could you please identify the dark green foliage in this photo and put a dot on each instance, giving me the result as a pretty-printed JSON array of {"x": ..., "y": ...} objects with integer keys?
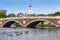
[
  {"x": 44, "y": 25},
  {"x": 54, "y": 14},
  {"x": 57, "y": 14},
  {"x": 3, "y": 15},
  {"x": 18, "y": 25},
  {"x": 41, "y": 15},
  {"x": 33, "y": 14}
]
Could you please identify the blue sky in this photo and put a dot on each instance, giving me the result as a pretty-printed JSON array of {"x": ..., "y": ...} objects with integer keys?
[{"x": 38, "y": 6}]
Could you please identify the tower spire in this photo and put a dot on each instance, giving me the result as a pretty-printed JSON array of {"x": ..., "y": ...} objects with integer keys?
[{"x": 30, "y": 9}]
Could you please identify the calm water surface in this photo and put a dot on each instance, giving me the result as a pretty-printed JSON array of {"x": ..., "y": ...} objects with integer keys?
[{"x": 29, "y": 34}]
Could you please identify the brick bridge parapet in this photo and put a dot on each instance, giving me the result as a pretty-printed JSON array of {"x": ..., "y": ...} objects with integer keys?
[{"x": 25, "y": 20}]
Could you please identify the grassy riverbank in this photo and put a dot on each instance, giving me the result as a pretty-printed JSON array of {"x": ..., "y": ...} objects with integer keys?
[{"x": 44, "y": 25}]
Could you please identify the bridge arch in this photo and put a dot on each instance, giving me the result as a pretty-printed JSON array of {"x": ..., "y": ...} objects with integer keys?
[
  {"x": 9, "y": 22},
  {"x": 36, "y": 21}
]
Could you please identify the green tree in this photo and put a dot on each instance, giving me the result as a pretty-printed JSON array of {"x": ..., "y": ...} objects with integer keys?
[
  {"x": 18, "y": 25},
  {"x": 57, "y": 13},
  {"x": 3, "y": 15},
  {"x": 33, "y": 14},
  {"x": 51, "y": 15},
  {"x": 41, "y": 15},
  {"x": 54, "y": 14}
]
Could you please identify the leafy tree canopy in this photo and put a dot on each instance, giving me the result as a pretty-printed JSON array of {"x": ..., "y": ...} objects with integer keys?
[{"x": 3, "y": 15}]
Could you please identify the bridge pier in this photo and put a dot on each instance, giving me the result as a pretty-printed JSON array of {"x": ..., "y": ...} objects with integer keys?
[
  {"x": 23, "y": 26},
  {"x": 1, "y": 26}
]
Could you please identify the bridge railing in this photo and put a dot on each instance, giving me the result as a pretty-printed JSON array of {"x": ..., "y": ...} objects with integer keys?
[{"x": 22, "y": 17}]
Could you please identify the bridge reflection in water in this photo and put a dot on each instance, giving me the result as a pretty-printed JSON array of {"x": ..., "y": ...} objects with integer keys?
[{"x": 29, "y": 34}]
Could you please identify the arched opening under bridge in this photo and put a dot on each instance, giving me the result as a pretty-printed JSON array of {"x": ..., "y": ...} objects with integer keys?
[
  {"x": 33, "y": 23},
  {"x": 12, "y": 23}
]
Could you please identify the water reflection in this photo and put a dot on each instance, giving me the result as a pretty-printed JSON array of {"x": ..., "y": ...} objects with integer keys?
[{"x": 29, "y": 34}]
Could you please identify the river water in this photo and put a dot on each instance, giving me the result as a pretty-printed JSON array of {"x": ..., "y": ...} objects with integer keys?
[{"x": 29, "y": 34}]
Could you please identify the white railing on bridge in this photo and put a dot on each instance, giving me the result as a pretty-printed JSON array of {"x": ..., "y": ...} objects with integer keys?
[{"x": 26, "y": 17}]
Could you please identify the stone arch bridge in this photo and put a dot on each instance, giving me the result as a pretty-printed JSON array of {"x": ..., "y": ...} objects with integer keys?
[{"x": 26, "y": 21}]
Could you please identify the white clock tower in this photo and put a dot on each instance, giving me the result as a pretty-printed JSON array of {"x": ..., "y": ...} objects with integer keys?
[{"x": 30, "y": 10}]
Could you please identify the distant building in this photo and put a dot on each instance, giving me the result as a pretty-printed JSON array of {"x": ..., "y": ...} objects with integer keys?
[
  {"x": 11, "y": 15},
  {"x": 20, "y": 14},
  {"x": 1, "y": 10}
]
